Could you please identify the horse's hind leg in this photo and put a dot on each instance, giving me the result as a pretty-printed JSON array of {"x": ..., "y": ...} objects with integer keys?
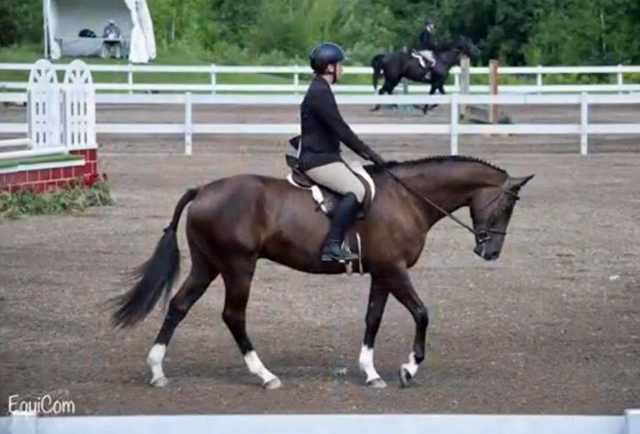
[
  {"x": 389, "y": 86},
  {"x": 378, "y": 296},
  {"x": 237, "y": 280},
  {"x": 194, "y": 286},
  {"x": 403, "y": 291},
  {"x": 380, "y": 92}
]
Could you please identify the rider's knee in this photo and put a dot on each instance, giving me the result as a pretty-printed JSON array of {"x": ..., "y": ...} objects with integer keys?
[{"x": 359, "y": 192}]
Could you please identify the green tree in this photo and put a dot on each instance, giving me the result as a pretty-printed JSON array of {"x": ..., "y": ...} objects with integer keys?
[
  {"x": 20, "y": 21},
  {"x": 586, "y": 32}
]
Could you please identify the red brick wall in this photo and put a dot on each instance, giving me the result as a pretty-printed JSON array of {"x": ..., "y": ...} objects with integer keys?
[
  {"x": 90, "y": 160},
  {"x": 47, "y": 179}
]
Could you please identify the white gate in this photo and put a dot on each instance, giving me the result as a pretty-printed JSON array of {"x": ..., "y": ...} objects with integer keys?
[
  {"x": 44, "y": 106},
  {"x": 79, "y": 107}
]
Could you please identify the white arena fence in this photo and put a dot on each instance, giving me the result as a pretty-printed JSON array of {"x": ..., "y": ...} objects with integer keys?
[
  {"x": 629, "y": 423},
  {"x": 296, "y": 72},
  {"x": 453, "y": 129}
]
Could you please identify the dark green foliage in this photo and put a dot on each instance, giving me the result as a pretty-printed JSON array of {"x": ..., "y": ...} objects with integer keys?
[
  {"x": 76, "y": 198},
  {"x": 283, "y": 31}
]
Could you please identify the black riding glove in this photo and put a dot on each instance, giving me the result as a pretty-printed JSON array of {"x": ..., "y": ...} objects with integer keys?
[{"x": 375, "y": 158}]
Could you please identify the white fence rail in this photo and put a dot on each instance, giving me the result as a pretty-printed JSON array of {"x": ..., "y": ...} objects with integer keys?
[
  {"x": 629, "y": 423},
  {"x": 453, "y": 129},
  {"x": 297, "y": 71}
]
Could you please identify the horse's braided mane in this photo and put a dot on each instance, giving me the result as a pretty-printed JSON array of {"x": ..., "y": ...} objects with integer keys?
[{"x": 434, "y": 159}]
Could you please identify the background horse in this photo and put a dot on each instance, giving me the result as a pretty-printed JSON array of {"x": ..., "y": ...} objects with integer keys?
[
  {"x": 233, "y": 222},
  {"x": 395, "y": 66}
]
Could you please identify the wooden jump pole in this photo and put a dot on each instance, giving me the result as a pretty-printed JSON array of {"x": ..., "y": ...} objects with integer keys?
[
  {"x": 494, "y": 109},
  {"x": 465, "y": 82}
]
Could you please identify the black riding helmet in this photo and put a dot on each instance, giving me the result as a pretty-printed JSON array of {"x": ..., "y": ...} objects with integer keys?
[
  {"x": 324, "y": 55},
  {"x": 429, "y": 22}
]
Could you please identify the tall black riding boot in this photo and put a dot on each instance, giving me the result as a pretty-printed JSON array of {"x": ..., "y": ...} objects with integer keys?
[{"x": 343, "y": 217}]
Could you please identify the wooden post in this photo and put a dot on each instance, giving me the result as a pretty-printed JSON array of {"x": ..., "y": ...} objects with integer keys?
[
  {"x": 494, "y": 109},
  {"x": 465, "y": 82}
]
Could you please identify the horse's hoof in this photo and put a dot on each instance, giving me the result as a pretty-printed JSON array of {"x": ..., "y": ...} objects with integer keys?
[
  {"x": 159, "y": 382},
  {"x": 405, "y": 378},
  {"x": 377, "y": 383},
  {"x": 274, "y": 383}
]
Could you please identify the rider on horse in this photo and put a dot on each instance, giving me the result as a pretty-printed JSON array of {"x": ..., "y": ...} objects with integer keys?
[
  {"x": 323, "y": 128},
  {"x": 426, "y": 44}
]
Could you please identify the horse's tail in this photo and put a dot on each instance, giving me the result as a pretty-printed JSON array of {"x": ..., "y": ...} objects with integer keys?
[
  {"x": 376, "y": 64},
  {"x": 155, "y": 277}
]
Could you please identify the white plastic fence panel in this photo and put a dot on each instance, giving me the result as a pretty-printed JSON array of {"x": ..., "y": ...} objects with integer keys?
[
  {"x": 44, "y": 106},
  {"x": 79, "y": 107}
]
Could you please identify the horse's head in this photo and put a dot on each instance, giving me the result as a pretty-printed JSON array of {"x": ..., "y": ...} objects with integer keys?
[
  {"x": 491, "y": 209},
  {"x": 465, "y": 46}
]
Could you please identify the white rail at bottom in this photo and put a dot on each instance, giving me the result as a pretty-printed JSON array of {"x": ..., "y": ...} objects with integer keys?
[{"x": 629, "y": 423}]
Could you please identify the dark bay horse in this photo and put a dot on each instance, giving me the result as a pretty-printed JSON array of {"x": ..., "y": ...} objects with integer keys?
[
  {"x": 395, "y": 66},
  {"x": 233, "y": 222}
]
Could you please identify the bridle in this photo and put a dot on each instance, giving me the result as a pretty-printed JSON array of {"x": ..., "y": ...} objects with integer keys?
[{"x": 482, "y": 235}]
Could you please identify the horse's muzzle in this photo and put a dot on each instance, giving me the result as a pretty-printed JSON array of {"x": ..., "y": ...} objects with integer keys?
[{"x": 486, "y": 254}]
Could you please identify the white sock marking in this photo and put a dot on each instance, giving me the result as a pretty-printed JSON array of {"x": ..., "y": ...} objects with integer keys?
[
  {"x": 412, "y": 366},
  {"x": 256, "y": 367},
  {"x": 156, "y": 355},
  {"x": 366, "y": 363}
]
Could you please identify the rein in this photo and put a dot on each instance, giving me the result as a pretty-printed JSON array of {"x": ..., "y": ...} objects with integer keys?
[{"x": 481, "y": 235}]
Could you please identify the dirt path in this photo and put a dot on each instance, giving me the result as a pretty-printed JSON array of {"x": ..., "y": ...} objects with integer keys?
[{"x": 552, "y": 327}]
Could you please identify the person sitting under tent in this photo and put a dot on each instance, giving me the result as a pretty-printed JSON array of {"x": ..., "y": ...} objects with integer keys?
[{"x": 112, "y": 44}]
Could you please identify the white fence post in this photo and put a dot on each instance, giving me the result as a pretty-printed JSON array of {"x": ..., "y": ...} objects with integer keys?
[
  {"x": 619, "y": 76},
  {"x": 455, "y": 99},
  {"x": 213, "y": 79},
  {"x": 632, "y": 421},
  {"x": 296, "y": 78},
  {"x": 456, "y": 82},
  {"x": 584, "y": 123},
  {"x": 188, "y": 123},
  {"x": 539, "y": 79},
  {"x": 130, "y": 77}
]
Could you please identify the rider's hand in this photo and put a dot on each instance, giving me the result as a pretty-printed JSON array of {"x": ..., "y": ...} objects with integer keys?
[{"x": 376, "y": 159}]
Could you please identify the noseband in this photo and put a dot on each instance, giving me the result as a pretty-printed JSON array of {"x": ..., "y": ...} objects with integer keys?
[{"x": 482, "y": 235}]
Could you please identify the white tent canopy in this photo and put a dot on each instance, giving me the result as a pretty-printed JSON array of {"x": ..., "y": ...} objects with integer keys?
[{"x": 64, "y": 19}]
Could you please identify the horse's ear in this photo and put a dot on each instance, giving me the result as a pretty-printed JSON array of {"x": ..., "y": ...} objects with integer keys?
[{"x": 518, "y": 183}]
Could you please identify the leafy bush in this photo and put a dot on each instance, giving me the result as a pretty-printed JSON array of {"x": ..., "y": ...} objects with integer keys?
[{"x": 75, "y": 198}]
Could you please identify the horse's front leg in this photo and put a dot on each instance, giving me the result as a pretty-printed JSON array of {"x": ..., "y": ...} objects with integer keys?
[
  {"x": 403, "y": 291},
  {"x": 378, "y": 296},
  {"x": 428, "y": 107}
]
